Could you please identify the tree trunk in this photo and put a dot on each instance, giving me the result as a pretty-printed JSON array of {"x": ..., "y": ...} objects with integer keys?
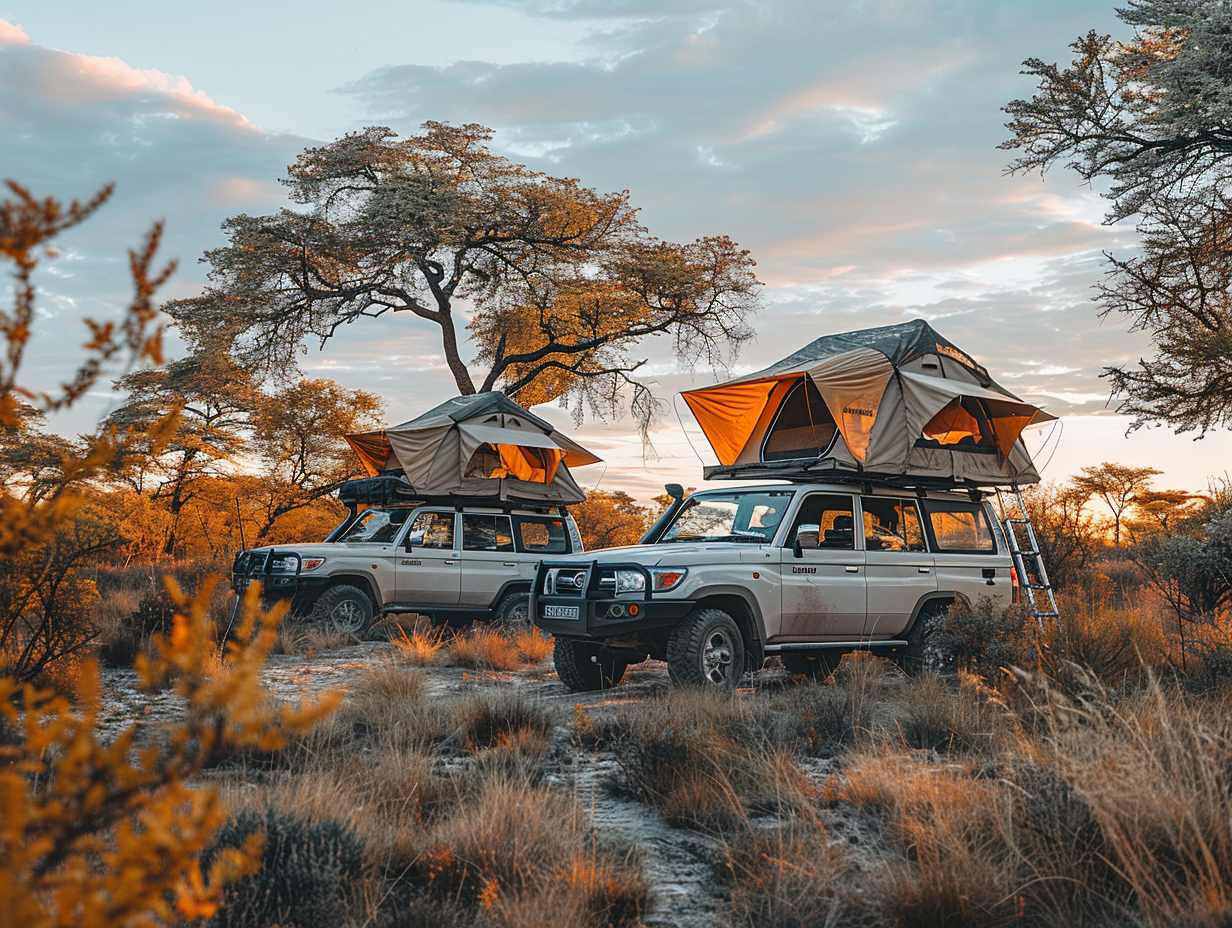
[{"x": 449, "y": 339}]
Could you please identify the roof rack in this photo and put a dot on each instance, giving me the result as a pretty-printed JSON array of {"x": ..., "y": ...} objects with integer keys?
[
  {"x": 392, "y": 490},
  {"x": 830, "y": 472}
]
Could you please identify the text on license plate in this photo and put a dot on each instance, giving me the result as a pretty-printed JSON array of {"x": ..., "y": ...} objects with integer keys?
[{"x": 560, "y": 612}]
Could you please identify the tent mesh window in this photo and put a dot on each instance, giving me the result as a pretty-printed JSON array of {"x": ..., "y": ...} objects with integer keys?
[
  {"x": 961, "y": 426},
  {"x": 802, "y": 428}
]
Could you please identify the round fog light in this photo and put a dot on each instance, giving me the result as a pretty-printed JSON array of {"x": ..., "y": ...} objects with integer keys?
[
  {"x": 633, "y": 610},
  {"x": 616, "y": 611}
]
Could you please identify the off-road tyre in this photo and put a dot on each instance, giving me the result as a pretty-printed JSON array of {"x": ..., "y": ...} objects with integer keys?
[
  {"x": 512, "y": 613},
  {"x": 343, "y": 608},
  {"x": 816, "y": 665},
  {"x": 585, "y": 667},
  {"x": 915, "y": 658},
  {"x": 706, "y": 649}
]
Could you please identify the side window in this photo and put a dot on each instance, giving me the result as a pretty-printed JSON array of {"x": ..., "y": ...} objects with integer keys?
[
  {"x": 541, "y": 536},
  {"x": 892, "y": 525},
  {"x": 960, "y": 527},
  {"x": 486, "y": 533},
  {"x": 834, "y": 516},
  {"x": 436, "y": 529}
]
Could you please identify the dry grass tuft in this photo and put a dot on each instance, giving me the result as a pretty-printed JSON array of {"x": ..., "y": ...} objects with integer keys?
[
  {"x": 483, "y": 648},
  {"x": 302, "y": 640},
  {"x": 420, "y": 646},
  {"x": 533, "y": 646},
  {"x": 517, "y": 852},
  {"x": 788, "y": 877},
  {"x": 707, "y": 761},
  {"x": 506, "y": 721}
]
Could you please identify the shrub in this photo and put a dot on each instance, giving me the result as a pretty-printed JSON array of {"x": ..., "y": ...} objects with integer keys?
[
  {"x": 309, "y": 871},
  {"x": 981, "y": 638}
]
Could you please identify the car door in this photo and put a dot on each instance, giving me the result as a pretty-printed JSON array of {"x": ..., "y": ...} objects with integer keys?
[
  {"x": 429, "y": 562},
  {"x": 823, "y": 590},
  {"x": 899, "y": 565},
  {"x": 488, "y": 556},
  {"x": 965, "y": 547}
]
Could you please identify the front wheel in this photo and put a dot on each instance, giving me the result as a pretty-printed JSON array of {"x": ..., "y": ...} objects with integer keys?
[
  {"x": 343, "y": 608},
  {"x": 513, "y": 612},
  {"x": 706, "y": 649},
  {"x": 585, "y": 667}
]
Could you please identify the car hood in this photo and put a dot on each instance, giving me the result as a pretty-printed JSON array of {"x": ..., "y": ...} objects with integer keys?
[{"x": 665, "y": 554}]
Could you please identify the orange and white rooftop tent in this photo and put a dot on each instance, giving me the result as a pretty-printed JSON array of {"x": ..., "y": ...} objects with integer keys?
[
  {"x": 484, "y": 445},
  {"x": 893, "y": 401}
]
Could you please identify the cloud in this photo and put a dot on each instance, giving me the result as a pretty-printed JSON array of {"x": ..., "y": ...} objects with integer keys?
[{"x": 70, "y": 124}]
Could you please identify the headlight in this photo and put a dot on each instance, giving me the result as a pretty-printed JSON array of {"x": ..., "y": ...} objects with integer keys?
[
  {"x": 288, "y": 563},
  {"x": 630, "y": 581},
  {"x": 666, "y": 578}
]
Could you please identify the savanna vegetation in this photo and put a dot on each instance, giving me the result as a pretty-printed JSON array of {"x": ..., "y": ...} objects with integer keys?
[{"x": 1056, "y": 774}]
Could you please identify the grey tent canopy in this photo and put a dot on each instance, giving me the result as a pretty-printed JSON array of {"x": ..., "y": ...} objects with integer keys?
[
  {"x": 895, "y": 401},
  {"x": 484, "y": 445}
]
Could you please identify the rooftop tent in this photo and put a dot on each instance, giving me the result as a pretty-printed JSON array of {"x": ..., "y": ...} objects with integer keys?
[
  {"x": 484, "y": 445},
  {"x": 893, "y": 401}
]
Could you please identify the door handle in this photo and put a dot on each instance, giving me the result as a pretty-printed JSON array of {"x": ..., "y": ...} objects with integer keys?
[
  {"x": 511, "y": 564},
  {"x": 450, "y": 561},
  {"x": 852, "y": 570},
  {"x": 923, "y": 570}
]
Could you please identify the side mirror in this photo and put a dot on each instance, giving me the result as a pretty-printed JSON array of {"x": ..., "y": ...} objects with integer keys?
[
  {"x": 674, "y": 490},
  {"x": 412, "y": 539},
  {"x": 807, "y": 536}
]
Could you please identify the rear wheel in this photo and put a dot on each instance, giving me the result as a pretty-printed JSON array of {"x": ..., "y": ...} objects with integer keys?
[
  {"x": 585, "y": 667},
  {"x": 706, "y": 649},
  {"x": 816, "y": 665},
  {"x": 343, "y": 608},
  {"x": 919, "y": 655}
]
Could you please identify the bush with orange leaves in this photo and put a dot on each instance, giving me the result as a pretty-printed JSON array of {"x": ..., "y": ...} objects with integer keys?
[{"x": 95, "y": 834}]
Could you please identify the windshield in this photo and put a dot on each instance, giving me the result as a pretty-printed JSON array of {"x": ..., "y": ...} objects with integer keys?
[
  {"x": 376, "y": 526},
  {"x": 744, "y": 515}
]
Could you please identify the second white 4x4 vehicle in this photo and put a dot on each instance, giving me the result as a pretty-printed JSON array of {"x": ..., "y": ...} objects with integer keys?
[
  {"x": 452, "y": 561},
  {"x": 806, "y": 571}
]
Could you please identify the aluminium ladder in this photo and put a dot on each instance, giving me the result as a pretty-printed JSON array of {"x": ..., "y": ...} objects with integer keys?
[{"x": 1032, "y": 574}]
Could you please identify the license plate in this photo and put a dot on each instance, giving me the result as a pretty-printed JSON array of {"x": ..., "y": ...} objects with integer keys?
[{"x": 561, "y": 612}]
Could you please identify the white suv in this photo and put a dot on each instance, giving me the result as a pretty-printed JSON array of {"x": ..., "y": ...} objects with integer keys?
[
  {"x": 805, "y": 571},
  {"x": 450, "y": 561}
]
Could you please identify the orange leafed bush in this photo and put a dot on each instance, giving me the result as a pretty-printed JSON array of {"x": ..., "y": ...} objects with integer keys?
[{"x": 95, "y": 834}]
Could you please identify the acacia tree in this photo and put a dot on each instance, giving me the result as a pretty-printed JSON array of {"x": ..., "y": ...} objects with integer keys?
[
  {"x": 1152, "y": 118},
  {"x": 1118, "y": 486},
  {"x": 560, "y": 282}
]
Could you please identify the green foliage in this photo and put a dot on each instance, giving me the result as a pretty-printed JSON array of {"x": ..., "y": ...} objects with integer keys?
[
  {"x": 981, "y": 637},
  {"x": 308, "y": 874}
]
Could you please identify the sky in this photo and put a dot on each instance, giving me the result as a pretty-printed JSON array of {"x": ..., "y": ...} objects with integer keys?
[{"x": 851, "y": 146}]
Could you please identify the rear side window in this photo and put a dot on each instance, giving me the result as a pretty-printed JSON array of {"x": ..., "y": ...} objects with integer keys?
[
  {"x": 486, "y": 533},
  {"x": 960, "y": 527},
  {"x": 540, "y": 536}
]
